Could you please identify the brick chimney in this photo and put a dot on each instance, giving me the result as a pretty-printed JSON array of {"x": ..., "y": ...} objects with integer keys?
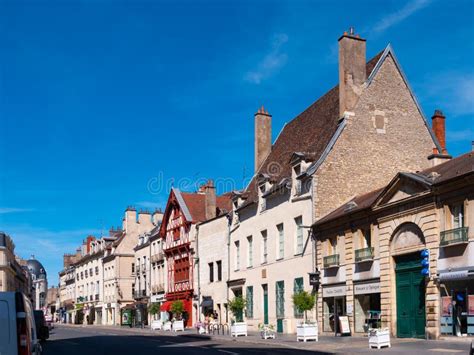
[
  {"x": 263, "y": 136},
  {"x": 210, "y": 199},
  {"x": 352, "y": 70},
  {"x": 439, "y": 129}
]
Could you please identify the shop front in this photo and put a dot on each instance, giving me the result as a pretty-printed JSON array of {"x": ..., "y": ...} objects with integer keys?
[
  {"x": 366, "y": 305},
  {"x": 334, "y": 306},
  {"x": 457, "y": 302}
]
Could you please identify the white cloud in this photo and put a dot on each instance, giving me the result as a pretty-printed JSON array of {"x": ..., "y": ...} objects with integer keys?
[
  {"x": 4, "y": 210},
  {"x": 271, "y": 63},
  {"x": 400, "y": 15}
]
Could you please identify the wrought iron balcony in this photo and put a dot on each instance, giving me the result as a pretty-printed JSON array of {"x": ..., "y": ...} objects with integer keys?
[
  {"x": 160, "y": 256},
  {"x": 454, "y": 236},
  {"x": 331, "y": 260},
  {"x": 364, "y": 254}
]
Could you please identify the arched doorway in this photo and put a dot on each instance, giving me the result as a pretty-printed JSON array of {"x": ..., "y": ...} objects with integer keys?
[{"x": 407, "y": 242}]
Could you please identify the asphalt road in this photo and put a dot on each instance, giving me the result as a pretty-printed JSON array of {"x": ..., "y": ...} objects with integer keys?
[
  {"x": 90, "y": 341},
  {"x": 116, "y": 341}
]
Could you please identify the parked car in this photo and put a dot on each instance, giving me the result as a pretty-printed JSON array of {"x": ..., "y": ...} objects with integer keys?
[
  {"x": 41, "y": 326},
  {"x": 17, "y": 323}
]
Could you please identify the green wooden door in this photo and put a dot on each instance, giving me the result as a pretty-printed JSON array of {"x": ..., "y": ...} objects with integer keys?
[
  {"x": 411, "y": 316},
  {"x": 265, "y": 304}
]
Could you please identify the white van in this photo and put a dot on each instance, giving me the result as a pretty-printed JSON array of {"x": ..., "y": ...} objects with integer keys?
[{"x": 18, "y": 335}]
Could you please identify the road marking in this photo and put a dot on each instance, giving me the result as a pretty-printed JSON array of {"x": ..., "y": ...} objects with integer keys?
[
  {"x": 446, "y": 351},
  {"x": 227, "y": 352}
]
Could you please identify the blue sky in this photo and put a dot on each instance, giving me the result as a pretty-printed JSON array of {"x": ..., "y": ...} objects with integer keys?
[{"x": 103, "y": 103}]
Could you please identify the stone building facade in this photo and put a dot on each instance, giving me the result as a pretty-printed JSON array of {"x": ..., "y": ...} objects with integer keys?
[
  {"x": 369, "y": 251},
  {"x": 12, "y": 275},
  {"x": 352, "y": 139}
]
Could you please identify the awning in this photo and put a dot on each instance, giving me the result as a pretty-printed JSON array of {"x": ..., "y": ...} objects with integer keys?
[
  {"x": 207, "y": 302},
  {"x": 165, "y": 307},
  {"x": 456, "y": 275}
]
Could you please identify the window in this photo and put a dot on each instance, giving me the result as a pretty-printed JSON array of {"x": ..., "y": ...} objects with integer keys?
[
  {"x": 299, "y": 235},
  {"x": 82, "y": 275},
  {"x": 249, "y": 299},
  {"x": 457, "y": 216},
  {"x": 366, "y": 241},
  {"x": 297, "y": 187},
  {"x": 264, "y": 247},
  {"x": 250, "y": 251},
  {"x": 211, "y": 272},
  {"x": 97, "y": 270},
  {"x": 298, "y": 286},
  {"x": 237, "y": 255},
  {"x": 90, "y": 272},
  {"x": 97, "y": 288},
  {"x": 280, "y": 299},
  {"x": 281, "y": 241},
  {"x": 87, "y": 275},
  {"x": 219, "y": 270}
]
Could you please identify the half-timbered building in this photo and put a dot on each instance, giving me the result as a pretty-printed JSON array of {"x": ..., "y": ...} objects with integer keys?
[{"x": 183, "y": 212}]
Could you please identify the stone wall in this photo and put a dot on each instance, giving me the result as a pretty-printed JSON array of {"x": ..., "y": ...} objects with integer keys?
[{"x": 384, "y": 135}]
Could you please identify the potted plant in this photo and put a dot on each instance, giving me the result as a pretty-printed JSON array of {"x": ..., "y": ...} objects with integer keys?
[
  {"x": 267, "y": 331},
  {"x": 304, "y": 302},
  {"x": 238, "y": 326},
  {"x": 379, "y": 338},
  {"x": 154, "y": 309},
  {"x": 177, "y": 308}
]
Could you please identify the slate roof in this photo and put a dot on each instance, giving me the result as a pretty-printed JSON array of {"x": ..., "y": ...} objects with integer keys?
[
  {"x": 433, "y": 176},
  {"x": 310, "y": 132}
]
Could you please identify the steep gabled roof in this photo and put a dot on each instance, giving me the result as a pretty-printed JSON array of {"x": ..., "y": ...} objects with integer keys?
[{"x": 310, "y": 132}]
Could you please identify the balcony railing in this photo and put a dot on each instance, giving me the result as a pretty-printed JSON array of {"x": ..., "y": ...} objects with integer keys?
[
  {"x": 158, "y": 288},
  {"x": 331, "y": 260},
  {"x": 364, "y": 254},
  {"x": 454, "y": 236},
  {"x": 139, "y": 293}
]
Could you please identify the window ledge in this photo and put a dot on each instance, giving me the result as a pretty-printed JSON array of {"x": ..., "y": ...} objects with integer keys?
[{"x": 280, "y": 258}]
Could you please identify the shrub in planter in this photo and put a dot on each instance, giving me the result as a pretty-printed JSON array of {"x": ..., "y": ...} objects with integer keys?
[
  {"x": 154, "y": 309},
  {"x": 237, "y": 306},
  {"x": 177, "y": 308},
  {"x": 304, "y": 302}
]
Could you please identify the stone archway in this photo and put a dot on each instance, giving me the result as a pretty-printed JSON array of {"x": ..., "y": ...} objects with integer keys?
[
  {"x": 407, "y": 238},
  {"x": 408, "y": 310}
]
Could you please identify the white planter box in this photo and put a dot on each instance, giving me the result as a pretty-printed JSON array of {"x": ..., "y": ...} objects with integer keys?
[
  {"x": 167, "y": 326},
  {"x": 156, "y": 325},
  {"x": 178, "y": 325},
  {"x": 306, "y": 332},
  {"x": 238, "y": 328},
  {"x": 267, "y": 334},
  {"x": 379, "y": 338}
]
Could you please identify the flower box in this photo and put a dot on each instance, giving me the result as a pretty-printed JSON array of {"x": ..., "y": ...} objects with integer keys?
[
  {"x": 267, "y": 331},
  {"x": 178, "y": 325},
  {"x": 238, "y": 328},
  {"x": 167, "y": 326},
  {"x": 306, "y": 332},
  {"x": 379, "y": 338},
  {"x": 156, "y": 325}
]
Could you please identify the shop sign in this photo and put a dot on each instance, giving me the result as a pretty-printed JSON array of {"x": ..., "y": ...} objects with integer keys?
[
  {"x": 334, "y": 291},
  {"x": 157, "y": 298},
  {"x": 365, "y": 288}
]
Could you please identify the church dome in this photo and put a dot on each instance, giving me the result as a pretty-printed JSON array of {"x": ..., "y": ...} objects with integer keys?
[{"x": 36, "y": 268}]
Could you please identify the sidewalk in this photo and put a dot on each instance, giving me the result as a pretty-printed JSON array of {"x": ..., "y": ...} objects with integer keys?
[{"x": 326, "y": 343}]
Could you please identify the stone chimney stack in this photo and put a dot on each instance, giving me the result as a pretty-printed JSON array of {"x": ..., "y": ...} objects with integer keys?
[
  {"x": 130, "y": 219},
  {"x": 210, "y": 199},
  {"x": 144, "y": 217},
  {"x": 352, "y": 70},
  {"x": 439, "y": 129},
  {"x": 157, "y": 217},
  {"x": 263, "y": 136}
]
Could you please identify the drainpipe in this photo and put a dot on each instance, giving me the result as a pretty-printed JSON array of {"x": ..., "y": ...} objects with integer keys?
[
  {"x": 229, "y": 222},
  {"x": 196, "y": 259}
]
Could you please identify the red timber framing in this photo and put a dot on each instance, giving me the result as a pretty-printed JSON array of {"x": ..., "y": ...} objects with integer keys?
[{"x": 177, "y": 248}]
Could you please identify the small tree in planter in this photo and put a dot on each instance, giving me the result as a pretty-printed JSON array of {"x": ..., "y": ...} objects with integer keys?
[
  {"x": 177, "y": 308},
  {"x": 304, "y": 302},
  {"x": 237, "y": 306},
  {"x": 154, "y": 309}
]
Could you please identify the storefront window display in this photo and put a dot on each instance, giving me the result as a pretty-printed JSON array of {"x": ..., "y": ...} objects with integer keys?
[
  {"x": 457, "y": 307},
  {"x": 367, "y": 312}
]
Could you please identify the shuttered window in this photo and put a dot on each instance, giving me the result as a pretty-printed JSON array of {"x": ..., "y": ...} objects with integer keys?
[
  {"x": 280, "y": 299},
  {"x": 298, "y": 286},
  {"x": 249, "y": 299}
]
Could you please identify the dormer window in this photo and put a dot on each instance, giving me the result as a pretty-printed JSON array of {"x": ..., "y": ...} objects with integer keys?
[{"x": 297, "y": 172}]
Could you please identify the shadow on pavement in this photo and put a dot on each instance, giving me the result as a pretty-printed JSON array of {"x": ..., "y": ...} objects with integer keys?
[{"x": 161, "y": 344}]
